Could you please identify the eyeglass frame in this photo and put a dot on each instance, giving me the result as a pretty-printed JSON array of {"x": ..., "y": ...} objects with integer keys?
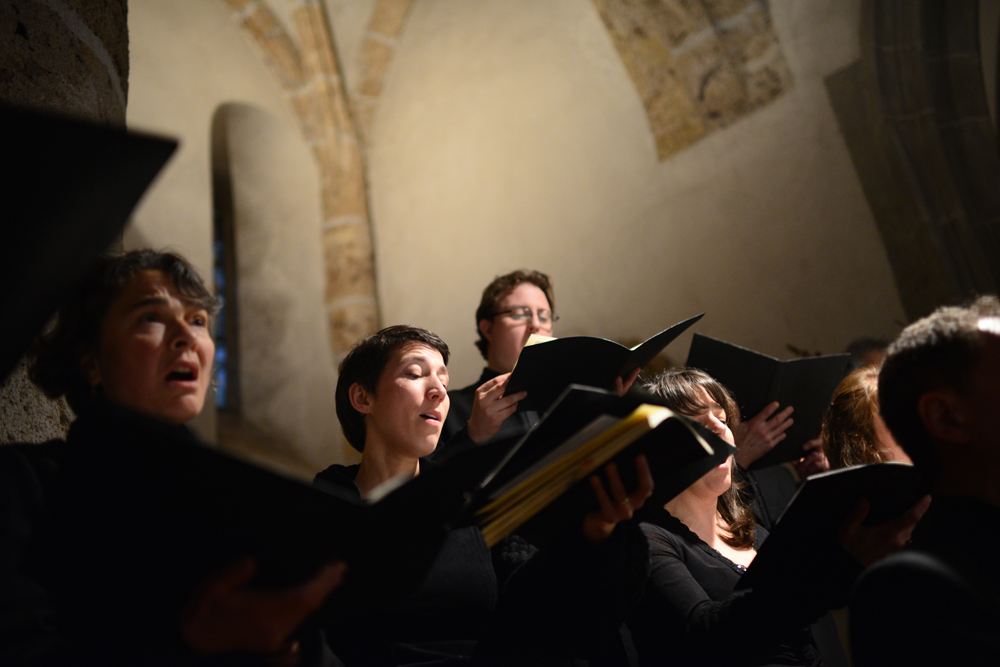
[{"x": 526, "y": 314}]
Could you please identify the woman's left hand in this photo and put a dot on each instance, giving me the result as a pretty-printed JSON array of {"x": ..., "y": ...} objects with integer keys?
[
  {"x": 620, "y": 505},
  {"x": 757, "y": 436}
]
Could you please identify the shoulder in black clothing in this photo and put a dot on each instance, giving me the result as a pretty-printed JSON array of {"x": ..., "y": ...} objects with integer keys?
[
  {"x": 441, "y": 621},
  {"x": 338, "y": 480},
  {"x": 936, "y": 602},
  {"x": 565, "y": 602}
]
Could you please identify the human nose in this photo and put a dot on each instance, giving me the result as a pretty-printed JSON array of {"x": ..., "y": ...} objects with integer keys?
[
  {"x": 535, "y": 323},
  {"x": 183, "y": 335},
  {"x": 716, "y": 426},
  {"x": 437, "y": 390}
]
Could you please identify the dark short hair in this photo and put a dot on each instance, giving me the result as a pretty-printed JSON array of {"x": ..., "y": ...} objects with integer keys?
[
  {"x": 57, "y": 355},
  {"x": 678, "y": 387},
  {"x": 501, "y": 287},
  {"x": 364, "y": 365},
  {"x": 938, "y": 352},
  {"x": 849, "y": 435}
]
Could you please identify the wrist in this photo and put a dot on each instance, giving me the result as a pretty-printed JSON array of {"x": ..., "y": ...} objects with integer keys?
[
  {"x": 475, "y": 434},
  {"x": 744, "y": 458}
]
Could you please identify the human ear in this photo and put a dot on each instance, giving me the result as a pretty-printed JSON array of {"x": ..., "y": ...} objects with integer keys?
[
  {"x": 90, "y": 369},
  {"x": 486, "y": 328},
  {"x": 360, "y": 399},
  {"x": 943, "y": 415}
]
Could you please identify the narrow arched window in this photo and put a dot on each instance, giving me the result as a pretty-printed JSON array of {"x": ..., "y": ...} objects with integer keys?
[{"x": 224, "y": 274}]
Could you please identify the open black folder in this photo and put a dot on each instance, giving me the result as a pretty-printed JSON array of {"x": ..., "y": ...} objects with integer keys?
[
  {"x": 67, "y": 187},
  {"x": 546, "y": 366},
  {"x": 822, "y": 504},
  {"x": 758, "y": 379}
]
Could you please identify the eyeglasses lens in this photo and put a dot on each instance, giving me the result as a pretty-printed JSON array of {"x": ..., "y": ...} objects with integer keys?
[{"x": 524, "y": 315}]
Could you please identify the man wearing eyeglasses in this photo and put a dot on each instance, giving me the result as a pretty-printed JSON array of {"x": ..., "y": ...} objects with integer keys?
[{"x": 512, "y": 307}]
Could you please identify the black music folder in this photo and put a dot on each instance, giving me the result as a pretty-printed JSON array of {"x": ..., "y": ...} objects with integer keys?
[{"x": 758, "y": 379}]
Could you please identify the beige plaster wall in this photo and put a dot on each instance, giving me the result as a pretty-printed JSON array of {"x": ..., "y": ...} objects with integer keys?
[
  {"x": 188, "y": 57},
  {"x": 508, "y": 134}
]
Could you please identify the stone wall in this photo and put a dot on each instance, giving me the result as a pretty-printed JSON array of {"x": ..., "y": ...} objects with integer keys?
[
  {"x": 305, "y": 59},
  {"x": 915, "y": 112},
  {"x": 698, "y": 66},
  {"x": 287, "y": 374},
  {"x": 68, "y": 56}
]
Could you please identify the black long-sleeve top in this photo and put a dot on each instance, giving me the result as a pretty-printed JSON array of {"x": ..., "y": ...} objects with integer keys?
[
  {"x": 692, "y": 614},
  {"x": 514, "y": 605}
]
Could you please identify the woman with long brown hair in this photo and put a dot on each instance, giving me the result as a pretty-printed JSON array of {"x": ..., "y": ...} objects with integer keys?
[
  {"x": 853, "y": 431},
  {"x": 703, "y": 540}
]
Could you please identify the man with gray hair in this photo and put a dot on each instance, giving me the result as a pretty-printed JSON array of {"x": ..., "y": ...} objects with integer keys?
[{"x": 937, "y": 602}]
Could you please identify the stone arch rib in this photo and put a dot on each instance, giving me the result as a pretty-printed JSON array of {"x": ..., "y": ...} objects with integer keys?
[
  {"x": 310, "y": 76},
  {"x": 374, "y": 57}
]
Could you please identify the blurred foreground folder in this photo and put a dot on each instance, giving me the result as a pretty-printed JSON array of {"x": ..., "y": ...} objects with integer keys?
[
  {"x": 67, "y": 187},
  {"x": 821, "y": 506}
]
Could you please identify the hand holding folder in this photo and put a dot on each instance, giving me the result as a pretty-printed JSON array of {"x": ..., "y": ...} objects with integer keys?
[
  {"x": 824, "y": 504},
  {"x": 538, "y": 484},
  {"x": 757, "y": 380}
]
